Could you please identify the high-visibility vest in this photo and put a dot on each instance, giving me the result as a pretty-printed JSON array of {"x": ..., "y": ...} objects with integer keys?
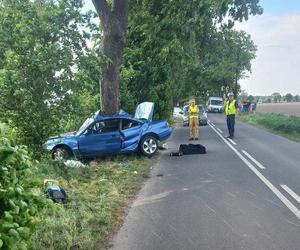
[
  {"x": 194, "y": 111},
  {"x": 230, "y": 108}
]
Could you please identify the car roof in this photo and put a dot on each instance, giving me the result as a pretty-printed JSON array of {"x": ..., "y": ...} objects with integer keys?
[
  {"x": 121, "y": 114},
  {"x": 216, "y": 98}
]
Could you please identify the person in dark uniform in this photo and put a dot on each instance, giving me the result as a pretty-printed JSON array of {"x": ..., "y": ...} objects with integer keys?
[{"x": 231, "y": 110}]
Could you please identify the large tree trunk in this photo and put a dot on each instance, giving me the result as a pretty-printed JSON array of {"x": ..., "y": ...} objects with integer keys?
[{"x": 114, "y": 22}]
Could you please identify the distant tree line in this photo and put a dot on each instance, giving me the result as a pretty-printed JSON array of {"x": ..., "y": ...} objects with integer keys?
[{"x": 274, "y": 98}]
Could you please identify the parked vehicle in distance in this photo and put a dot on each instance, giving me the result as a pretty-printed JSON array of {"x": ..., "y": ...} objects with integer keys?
[
  {"x": 202, "y": 115},
  {"x": 177, "y": 112},
  {"x": 215, "y": 105},
  {"x": 100, "y": 135}
]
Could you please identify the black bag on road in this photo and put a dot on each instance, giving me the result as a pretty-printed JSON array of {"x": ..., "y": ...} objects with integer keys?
[
  {"x": 192, "y": 149},
  {"x": 189, "y": 149}
]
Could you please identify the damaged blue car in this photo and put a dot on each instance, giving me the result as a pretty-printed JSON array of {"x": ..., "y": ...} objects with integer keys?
[{"x": 101, "y": 135}]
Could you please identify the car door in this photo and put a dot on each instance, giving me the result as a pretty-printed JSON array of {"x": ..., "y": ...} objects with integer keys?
[
  {"x": 130, "y": 133},
  {"x": 102, "y": 137}
]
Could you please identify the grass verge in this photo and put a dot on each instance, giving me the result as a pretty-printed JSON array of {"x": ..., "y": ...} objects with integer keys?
[
  {"x": 97, "y": 198},
  {"x": 287, "y": 126}
]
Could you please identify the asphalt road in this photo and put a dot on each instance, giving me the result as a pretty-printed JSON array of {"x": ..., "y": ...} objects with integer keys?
[{"x": 221, "y": 200}]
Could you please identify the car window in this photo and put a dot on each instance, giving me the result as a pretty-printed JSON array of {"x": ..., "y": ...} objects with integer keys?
[
  {"x": 127, "y": 123},
  {"x": 185, "y": 110},
  {"x": 86, "y": 124},
  {"x": 216, "y": 102},
  {"x": 105, "y": 126},
  {"x": 177, "y": 110}
]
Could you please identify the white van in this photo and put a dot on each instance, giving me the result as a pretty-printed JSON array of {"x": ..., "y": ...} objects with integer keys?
[{"x": 215, "y": 104}]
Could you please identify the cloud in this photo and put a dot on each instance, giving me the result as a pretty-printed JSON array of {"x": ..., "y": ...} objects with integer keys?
[{"x": 277, "y": 66}]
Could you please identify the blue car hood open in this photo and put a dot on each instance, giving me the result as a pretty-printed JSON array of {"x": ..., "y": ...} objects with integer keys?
[{"x": 144, "y": 111}]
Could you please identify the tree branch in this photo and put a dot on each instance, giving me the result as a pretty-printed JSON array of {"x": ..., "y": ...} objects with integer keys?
[{"x": 103, "y": 10}]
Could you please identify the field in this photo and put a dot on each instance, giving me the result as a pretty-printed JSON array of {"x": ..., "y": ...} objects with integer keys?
[
  {"x": 281, "y": 108},
  {"x": 287, "y": 126}
]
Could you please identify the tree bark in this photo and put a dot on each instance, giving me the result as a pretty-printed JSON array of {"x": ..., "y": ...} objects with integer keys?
[{"x": 115, "y": 23}]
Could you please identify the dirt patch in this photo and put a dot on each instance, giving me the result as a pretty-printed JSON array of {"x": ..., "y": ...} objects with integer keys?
[{"x": 281, "y": 108}]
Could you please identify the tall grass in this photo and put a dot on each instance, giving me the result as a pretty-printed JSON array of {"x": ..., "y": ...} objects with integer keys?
[
  {"x": 288, "y": 126},
  {"x": 97, "y": 197}
]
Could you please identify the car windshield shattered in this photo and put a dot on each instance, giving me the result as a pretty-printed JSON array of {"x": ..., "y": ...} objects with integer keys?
[{"x": 87, "y": 122}]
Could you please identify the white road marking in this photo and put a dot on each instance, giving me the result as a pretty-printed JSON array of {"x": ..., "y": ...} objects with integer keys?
[
  {"x": 252, "y": 159},
  {"x": 231, "y": 141},
  {"x": 220, "y": 130},
  {"x": 285, "y": 201},
  {"x": 291, "y": 193},
  {"x": 212, "y": 124}
]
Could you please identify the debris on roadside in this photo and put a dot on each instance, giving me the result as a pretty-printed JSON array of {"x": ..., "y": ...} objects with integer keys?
[
  {"x": 123, "y": 165},
  {"x": 75, "y": 164},
  {"x": 176, "y": 153},
  {"x": 163, "y": 146},
  {"x": 94, "y": 163},
  {"x": 54, "y": 192}
]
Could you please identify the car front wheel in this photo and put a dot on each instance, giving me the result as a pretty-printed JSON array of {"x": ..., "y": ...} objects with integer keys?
[
  {"x": 149, "y": 145},
  {"x": 60, "y": 154}
]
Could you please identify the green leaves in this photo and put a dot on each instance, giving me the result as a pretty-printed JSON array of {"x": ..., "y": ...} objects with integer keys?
[
  {"x": 18, "y": 201},
  {"x": 177, "y": 49},
  {"x": 42, "y": 50}
]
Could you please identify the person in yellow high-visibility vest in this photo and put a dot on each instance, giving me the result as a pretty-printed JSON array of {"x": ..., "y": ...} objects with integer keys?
[
  {"x": 194, "y": 120},
  {"x": 231, "y": 110}
]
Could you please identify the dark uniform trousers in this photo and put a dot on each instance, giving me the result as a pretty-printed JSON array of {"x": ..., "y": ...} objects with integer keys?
[{"x": 230, "y": 124}]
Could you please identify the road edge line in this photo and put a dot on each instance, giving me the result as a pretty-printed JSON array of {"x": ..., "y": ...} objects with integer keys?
[
  {"x": 284, "y": 200},
  {"x": 257, "y": 163},
  {"x": 220, "y": 130},
  {"x": 232, "y": 141},
  {"x": 291, "y": 193}
]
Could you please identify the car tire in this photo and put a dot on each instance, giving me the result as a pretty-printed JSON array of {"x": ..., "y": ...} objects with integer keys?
[
  {"x": 148, "y": 145},
  {"x": 60, "y": 154}
]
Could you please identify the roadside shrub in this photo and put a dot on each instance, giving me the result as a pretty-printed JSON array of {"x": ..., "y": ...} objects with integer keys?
[{"x": 20, "y": 198}]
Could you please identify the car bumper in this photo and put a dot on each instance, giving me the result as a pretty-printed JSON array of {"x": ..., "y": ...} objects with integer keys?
[
  {"x": 215, "y": 110},
  {"x": 165, "y": 135},
  {"x": 203, "y": 122}
]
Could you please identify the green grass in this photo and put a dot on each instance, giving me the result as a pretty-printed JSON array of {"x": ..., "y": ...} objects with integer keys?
[
  {"x": 98, "y": 196},
  {"x": 287, "y": 126}
]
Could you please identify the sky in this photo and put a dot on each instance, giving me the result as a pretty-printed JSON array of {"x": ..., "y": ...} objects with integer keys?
[
  {"x": 276, "y": 33},
  {"x": 277, "y": 36}
]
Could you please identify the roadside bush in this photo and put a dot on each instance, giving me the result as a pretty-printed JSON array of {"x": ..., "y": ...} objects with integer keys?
[{"x": 20, "y": 198}]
